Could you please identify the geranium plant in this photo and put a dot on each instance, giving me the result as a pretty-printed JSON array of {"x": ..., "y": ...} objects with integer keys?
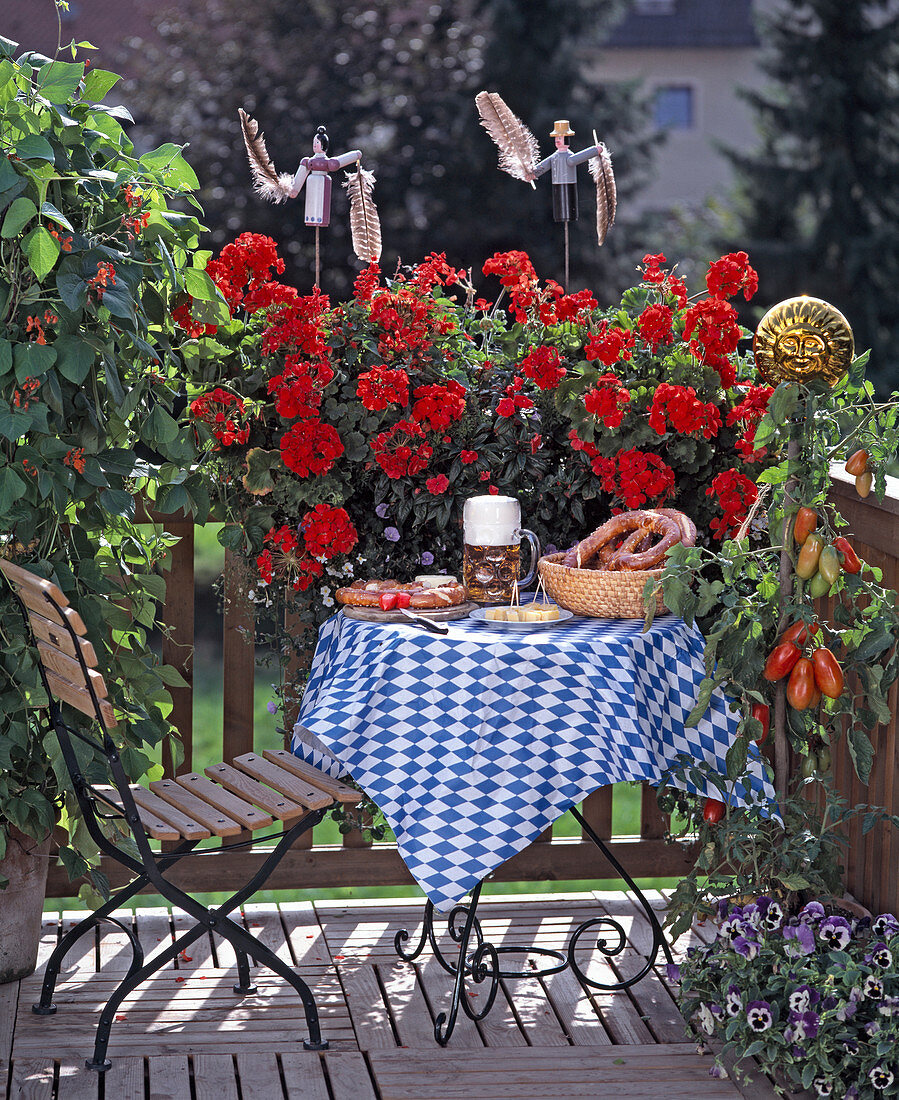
[
  {"x": 813, "y": 998},
  {"x": 92, "y": 262}
]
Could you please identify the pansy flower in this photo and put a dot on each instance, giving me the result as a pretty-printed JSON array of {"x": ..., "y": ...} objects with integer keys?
[
  {"x": 733, "y": 1001},
  {"x": 822, "y": 1086},
  {"x": 812, "y": 912},
  {"x": 885, "y": 925},
  {"x": 759, "y": 1015},
  {"x": 802, "y": 1025},
  {"x": 873, "y": 987},
  {"x": 889, "y": 1006},
  {"x": 881, "y": 1077},
  {"x": 880, "y": 955},
  {"x": 835, "y": 932},
  {"x": 771, "y": 913},
  {"x": 802, "y": 998},
  {"x": 802, "y": 939},
  {"x": 746, "y": 946}
]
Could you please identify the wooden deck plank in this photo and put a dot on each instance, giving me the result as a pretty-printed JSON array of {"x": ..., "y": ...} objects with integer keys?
[
  {"x": 304, "y": 933},
  {"x": 9, "y": 999},
  {"x": 367, "y": 1009},
  {"x": 82, "y": 955},
  {"x": 125, "y": 1081},
  {"x": 169, "y": 1077},
  {"x": 260, "y": 1076},
  {"x": 438, "y": 988},
  {"x": 349, "y": 1076},
  {"x": 575, "y": 1010},
  {"x": 32, "y": 1079},
  {"x": 115, "y": 947},
  {"x": 264, "y": 922},
  {"x": 538, "y": 1021},
  {"x": 154, "y": 930},
  {"x": 407, "y": 1005},
  {"x": 77, "y": 1082},
  {"x": 200, "y": 954},
  {"x": 304, "y": 1077},
  {"x": 214, "y": 1077}
]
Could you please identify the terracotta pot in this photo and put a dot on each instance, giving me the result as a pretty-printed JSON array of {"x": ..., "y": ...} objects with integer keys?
[{"x": 21, "y": 904}]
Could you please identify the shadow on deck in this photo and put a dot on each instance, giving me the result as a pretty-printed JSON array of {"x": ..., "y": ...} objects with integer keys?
[{"x": 185, "y": 1036}]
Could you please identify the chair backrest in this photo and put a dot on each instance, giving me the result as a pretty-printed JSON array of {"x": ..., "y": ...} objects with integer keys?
[{"x": 69, "y": 660}]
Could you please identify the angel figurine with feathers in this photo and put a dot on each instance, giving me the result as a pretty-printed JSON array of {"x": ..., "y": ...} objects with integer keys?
[
  {"x": 519, "y": 156},
  {"x": 314, "y": 174}
]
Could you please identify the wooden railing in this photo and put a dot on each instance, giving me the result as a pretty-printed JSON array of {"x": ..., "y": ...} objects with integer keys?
[{"x": 872, "y": 868}]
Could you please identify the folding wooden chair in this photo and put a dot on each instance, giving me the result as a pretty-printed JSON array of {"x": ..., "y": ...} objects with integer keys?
[{"x": 246, "y": 794}]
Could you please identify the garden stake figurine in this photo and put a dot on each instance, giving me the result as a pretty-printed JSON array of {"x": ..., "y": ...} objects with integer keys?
[
  {"x": 314, "y": 173},
  {"x": 519, "y": 151}
]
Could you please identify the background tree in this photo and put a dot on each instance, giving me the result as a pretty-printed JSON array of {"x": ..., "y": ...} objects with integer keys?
[
  {"x": 400, "y": 86},
  {"x": 821, "y": 212}
]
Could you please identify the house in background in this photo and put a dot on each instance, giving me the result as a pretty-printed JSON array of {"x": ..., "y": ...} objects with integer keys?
[{"x": 691, "y": 57}]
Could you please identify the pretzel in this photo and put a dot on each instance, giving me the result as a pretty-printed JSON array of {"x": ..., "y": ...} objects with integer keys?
[
  {"x": 368, "y": 593},
  {"x": 586, "y": 555},
  {"x": 687, "y": 526}
]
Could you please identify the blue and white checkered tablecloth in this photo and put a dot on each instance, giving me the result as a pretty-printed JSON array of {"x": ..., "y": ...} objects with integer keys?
[{"x": 474, "y": 742}]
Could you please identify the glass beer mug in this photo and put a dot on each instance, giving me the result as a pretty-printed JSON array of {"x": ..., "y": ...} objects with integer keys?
[{"x": 492, "y": 538}]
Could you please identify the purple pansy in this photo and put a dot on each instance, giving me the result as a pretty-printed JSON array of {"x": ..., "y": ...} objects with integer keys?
[
  {"x": 391, "y": 534},
  {"x": 802, "y": 998},
  {"x": 272, "y": 707},
  {"x": 822, "y": 1086},
  {"x": 673, "y": 972},
  {"x": 759, "y": 1015},
  {"x": 881, "y": 1077},
  {"x": 880, "y": 955},
  {"x": 873, "y": 987},
  {"x": 718, "y": 1072},
  {"x": 733, "y": 1001},
  {"x": 746, "y": 947},
  {"x": 802, "y": 939},
  {"x": 885, "y": 925},
  {"x": 835, "y": 932},
  {"x": 802, "y": 1025},
  {"x": 849, "y": 1008},
  {"x": 889, "y": 1006},
  {"x": 812, "y": 912}
]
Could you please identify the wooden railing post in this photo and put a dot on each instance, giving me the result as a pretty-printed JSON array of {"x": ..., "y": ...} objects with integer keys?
[{"x": 178, "y": 639}]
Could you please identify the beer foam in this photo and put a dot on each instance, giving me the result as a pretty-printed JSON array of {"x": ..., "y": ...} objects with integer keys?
[{"x": 491, "y": 521}]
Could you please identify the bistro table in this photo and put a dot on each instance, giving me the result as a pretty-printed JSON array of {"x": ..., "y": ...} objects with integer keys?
[{"x": 473, "y": 742}]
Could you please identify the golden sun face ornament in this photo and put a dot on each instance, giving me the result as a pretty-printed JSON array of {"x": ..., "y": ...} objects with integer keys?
[{"x": 801, "y": 340}]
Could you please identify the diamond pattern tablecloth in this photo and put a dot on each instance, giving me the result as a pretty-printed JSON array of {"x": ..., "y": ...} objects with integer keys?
[{"x": 474, "y": 742}]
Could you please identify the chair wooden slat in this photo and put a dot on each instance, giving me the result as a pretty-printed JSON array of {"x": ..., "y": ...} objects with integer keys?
[
  {"x": 210, "y": 817},
  {"x": 35, "y": 601},
  {"x": 79, "y": 698},
  {"x": 184, "y": 823},
  {"x": 154, "y": 826},
  {"x": 236, "y": 808},
  {"x": 47, "y": 631},
  {"x": 313, "y": 798},
  {"x": 70, "y": 669},
  {"x": 239, "y": 783},
  {"x": 24, "y": 579},
  {"x": 338, "y": 791}
]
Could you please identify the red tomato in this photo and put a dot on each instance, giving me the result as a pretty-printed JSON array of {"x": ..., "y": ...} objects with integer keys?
[
  {"x": 851, "y": 561},
  {"x": 857, "y": 463},
  {"x": 403, "y": 599},
  {"x": 781, "y": 660},
  {"x": 387, "y": 600},
  {"x": 806, "y": 521},
  {"x": 828, "y": 674},
  {"x": 799, "y": 632},
  {"x": 801, "y": 685},
  {"x": 713, "y": 810},
  {"x": 762, "y": 712}
]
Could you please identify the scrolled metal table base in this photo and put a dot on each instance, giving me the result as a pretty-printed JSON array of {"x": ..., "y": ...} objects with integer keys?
[{"x": 479, "y": 960}]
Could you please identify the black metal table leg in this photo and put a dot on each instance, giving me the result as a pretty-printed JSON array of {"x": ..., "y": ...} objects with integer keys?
[{"x": 479, "y": 960}]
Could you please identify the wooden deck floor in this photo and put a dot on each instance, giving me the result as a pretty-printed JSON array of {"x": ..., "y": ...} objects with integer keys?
[{"x": 185, "y": 1036}]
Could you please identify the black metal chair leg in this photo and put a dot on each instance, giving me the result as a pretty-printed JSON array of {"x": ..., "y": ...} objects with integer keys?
[
  {"x": 45, "y": 1006},
  {"x": 241, "y": 940},
  {"x": 244, "y": 985},
  {"x": 131, "y": 981}
]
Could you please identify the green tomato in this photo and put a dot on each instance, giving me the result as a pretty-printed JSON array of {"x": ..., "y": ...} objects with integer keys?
[
  {"x": 829, "y": 565},
  {"x": 819, "y": 586},
  {"x": 809, "y": 766},
  {"x": 824, "y": 760}
]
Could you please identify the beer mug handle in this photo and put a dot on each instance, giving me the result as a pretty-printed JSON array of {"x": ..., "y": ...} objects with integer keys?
[{"x": 527, "y": 581}]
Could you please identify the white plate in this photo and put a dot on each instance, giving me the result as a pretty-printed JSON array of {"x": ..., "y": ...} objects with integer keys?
[{"x": 480, "y": 615}]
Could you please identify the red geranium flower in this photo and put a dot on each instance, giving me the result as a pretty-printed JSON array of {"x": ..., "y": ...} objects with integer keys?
[
  {"x": 731, "y": 274},
  {"x": 654, "y": 325},
  {"x": 607, "y": 400},
  {"x": 684, "y": 411},
  {"x": 608, "y": 345},
  {"x": 544, "y": 366},
  {"x": 712, "y": 329},
  {"x": 736, "y": 494},
  {"x": 381, "y": 386},
  {"x": 635, "y": 477},
  {"x": 328, "y": 531},
  {"x": 310, "y": 447},
  {"x": 402, "y": 450},
  {"x": 437, "y": 406},
  {"x": 282, "y": 557},
  {"x": 437, "y": 485}
]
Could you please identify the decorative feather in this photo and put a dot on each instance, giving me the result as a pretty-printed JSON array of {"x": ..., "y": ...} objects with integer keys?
[
  {"x": 267, "y": 183},
  {"x": 518, "y": 149},
  {"x": 606, "y": 192},
  {"x": 364, "y": 224}
]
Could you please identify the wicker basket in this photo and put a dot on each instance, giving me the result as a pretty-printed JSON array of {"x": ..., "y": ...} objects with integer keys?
[{"x": 598, "y": 592}]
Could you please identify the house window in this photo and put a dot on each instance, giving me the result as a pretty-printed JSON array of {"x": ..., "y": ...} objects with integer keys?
[{"x": 674, "y": 109}]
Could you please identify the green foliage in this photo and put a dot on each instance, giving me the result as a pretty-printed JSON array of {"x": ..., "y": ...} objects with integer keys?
[
  {"x": 829, "y": 153},
  {"x": 92, "y": 261}
]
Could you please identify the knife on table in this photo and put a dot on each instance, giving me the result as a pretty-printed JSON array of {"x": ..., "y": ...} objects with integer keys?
[{"x": 421, "y": 620}]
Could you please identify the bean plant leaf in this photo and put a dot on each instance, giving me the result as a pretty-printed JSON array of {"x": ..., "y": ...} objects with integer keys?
[
  {"x": 59, "y": 80},
  {"x": 20, "y": 213},
  {"x": 42, "y": 251}
]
